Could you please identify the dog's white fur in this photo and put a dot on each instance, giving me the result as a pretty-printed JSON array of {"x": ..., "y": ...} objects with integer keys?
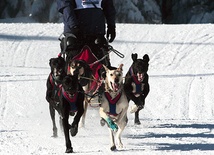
[{"x": 114, "y": 88}]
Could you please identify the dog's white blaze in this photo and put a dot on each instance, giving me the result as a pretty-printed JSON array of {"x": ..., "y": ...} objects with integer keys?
[{"x": 140, "y": 77}]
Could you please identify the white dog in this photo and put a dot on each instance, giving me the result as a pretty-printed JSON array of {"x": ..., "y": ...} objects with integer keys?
[{"x": 114, "y": 105}]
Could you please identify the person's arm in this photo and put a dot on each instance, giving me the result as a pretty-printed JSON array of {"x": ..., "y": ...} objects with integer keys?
[
  {"x": 66, "y": 7},
  {"x": 110, "y": 13}
]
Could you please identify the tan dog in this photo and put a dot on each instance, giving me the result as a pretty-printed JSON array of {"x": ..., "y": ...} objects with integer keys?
[{"x": 114, "y": 105}]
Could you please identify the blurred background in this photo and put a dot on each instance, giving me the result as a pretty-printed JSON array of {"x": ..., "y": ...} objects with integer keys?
[{"x": 128, "y": 11}]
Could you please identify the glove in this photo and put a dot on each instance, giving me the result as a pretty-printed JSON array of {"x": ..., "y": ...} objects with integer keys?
[{"x": 111, "y": 33}]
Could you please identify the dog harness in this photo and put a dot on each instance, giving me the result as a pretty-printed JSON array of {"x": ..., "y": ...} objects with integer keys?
[
  {"x": 112, "y": 103},
  {"x": 54, "y": 85},
  {"x": 71, "y": 100},
  {"x": 137, "y": 83},
  {"x": 51, "y": 81}
]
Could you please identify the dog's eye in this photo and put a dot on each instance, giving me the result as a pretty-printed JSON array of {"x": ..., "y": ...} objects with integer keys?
[{"x": 111, "y": 74}]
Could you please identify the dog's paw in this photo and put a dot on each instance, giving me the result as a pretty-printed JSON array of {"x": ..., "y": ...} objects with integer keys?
[
  {"x": 73, "y": 130},
  {"x": 133, "y": 108},
  {"x": 102, "y": 122},
  {"x": 69, "y": 150},
  {"x": 71, "y": 113},
  {"x": 140, "y": 107},
  {"x": 113, "y": 148}
]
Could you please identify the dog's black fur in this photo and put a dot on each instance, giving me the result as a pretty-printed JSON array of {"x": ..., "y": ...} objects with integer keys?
[
  {"x": 139, "y": 69},
  {"x": 86, "y": 74},
  {"x": 55, "y": 78},
  {"x": 71, "y": 86}
]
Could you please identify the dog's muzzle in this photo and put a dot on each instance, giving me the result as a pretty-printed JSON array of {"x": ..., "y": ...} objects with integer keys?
[{"x": 115, "y": 86}]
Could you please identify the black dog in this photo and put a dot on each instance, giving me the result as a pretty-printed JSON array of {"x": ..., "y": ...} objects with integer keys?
[
  {"x": 71, "y": 96},
  {"x": 136, "y": 83},
  {"x": 55, "y": 78}
]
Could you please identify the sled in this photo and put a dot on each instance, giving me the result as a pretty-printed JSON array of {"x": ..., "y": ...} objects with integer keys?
[{"x": 87, "y": 55}]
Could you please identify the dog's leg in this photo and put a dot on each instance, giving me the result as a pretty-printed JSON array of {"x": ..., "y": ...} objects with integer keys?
[
  {"x": 118, "y": 137},
  {"x": 52, "y": 113},
  {"x": 110, "y": 122},
  {"x": 121, "y": 124},
  {"x": 112, "y": 141},
  {"x": 136, "y": 120},
  {"x": 69, "y": 149},
  {"x": 61, "y": 123},
  {"x": 82, "y": 122},
  {"x": 74, "y": 125}
]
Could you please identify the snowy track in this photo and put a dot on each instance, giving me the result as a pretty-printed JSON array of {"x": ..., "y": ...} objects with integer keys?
[{"x": 178, "y": 117}]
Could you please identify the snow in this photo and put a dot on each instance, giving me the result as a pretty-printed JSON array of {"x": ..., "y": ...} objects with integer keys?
[{"x": 178, "y": 115}]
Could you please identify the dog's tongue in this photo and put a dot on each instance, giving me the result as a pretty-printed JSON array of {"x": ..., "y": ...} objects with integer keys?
[{"x": 115, "y": 86}]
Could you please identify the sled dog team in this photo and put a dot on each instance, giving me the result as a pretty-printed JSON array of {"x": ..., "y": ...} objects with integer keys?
[{"x": 67, "y": 95}]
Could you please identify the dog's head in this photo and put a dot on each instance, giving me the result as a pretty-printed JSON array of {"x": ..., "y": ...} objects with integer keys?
[
  {"x": 76, "y": 67},
  {"x": 140, "y": 66},
  {"x": 70, "y": 84},
  {"x": 114, "y": 78},
  {"x": 57, "y": 67}
]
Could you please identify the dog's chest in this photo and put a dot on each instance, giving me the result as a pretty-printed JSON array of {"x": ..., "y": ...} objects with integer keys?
[
  {"x": 137, "y": 88},
  {"x": 113, "y": 103}
]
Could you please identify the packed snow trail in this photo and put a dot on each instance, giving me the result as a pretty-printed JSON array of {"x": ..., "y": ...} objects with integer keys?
[{"x": 178, "y": 115}]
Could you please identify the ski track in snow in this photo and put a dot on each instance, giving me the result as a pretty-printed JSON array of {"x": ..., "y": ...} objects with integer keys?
[{"x": 177, "y": 119}]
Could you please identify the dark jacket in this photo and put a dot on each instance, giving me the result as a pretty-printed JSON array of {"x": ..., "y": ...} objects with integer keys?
[{"x": 90, "y": 21}]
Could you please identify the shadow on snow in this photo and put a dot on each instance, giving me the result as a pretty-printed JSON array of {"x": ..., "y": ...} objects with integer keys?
[{"x": 178, "y": 136}]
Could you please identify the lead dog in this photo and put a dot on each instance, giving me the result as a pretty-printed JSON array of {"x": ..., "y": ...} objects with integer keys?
[
  {"x": 114, "y": 105},
  {"x": 55, "y": 78},
  {"x": 137, "y": 84},
  {"x": 71, "y": 96}
]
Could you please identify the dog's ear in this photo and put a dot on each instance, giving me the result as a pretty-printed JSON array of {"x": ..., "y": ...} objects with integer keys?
[
  {"x": 50, "y": 61},
  {"x": 146, "y": 58},
  {"x": 134, "y": 56},
  {"x": 120, "y": 68},
  {"x": 106, "y": 69}
]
